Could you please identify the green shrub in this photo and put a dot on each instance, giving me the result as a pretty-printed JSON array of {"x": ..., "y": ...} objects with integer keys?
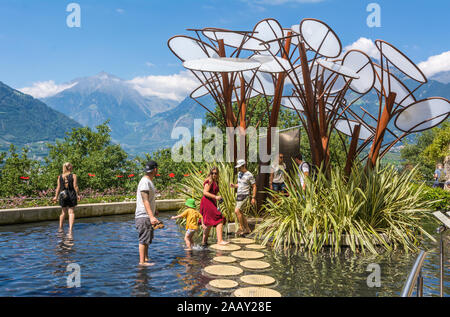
[{"x": 439, "y": 198}]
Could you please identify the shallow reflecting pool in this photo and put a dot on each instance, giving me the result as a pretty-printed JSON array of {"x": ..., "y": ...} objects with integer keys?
[{"x": 34, "y": 260}]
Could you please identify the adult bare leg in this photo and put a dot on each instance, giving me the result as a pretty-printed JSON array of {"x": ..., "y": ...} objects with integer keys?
[
  {"x": 71, "y": 219},
  {"x": 219, "y": 230},
  {"x": 239, "y": 215},
  {"x": 61, "y": 218},
  {"x": 205, "y": 235},
  {"x": 143, "y": 254}
]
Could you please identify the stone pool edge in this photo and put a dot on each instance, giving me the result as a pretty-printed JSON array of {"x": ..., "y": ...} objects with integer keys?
[{"x": 46, "y": 213}]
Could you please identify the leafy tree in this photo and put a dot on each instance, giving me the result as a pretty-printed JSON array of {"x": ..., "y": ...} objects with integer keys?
[
  {"x": 96, "y": 161},
  {"x": 19, "y": 174},
  {"x": 440, "y": 147},
  {"x": 429, "y": 148}
]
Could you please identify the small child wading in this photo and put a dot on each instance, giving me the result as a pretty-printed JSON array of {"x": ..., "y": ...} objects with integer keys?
[{"x": 192, "y": 217}]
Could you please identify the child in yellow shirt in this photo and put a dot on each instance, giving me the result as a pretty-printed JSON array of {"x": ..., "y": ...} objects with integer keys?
[{"x": 192, "y": 216}]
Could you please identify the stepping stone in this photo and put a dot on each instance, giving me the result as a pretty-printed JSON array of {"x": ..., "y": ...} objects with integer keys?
[
  {"x": 223, "y": 284},
  {"x": 224, "y": 259},
  {"x": 255, "y": 265},
  {"x": 227, "y": 247},
  {"x": 242, "y": 241},
  {"x": 256, "y": 292},
  {"x": 223, "y": 270},
  {"x": 255, "y": 246},
  {"x": 248, "y": 255},
  {"x": 259, "y": 280}
]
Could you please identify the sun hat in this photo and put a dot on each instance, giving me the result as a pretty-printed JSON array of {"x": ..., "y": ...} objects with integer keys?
[
  {"x": 190, "y": 203},
  {"x": 240, "y": 163},
  {"x": 150, "y": 166}
]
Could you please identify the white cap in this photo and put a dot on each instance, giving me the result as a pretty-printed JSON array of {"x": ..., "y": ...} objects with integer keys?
[{"x": 240, "y": 163}]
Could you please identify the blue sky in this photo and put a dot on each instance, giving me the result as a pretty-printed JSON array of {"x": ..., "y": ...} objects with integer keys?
[{"x": 129, "y": 38}]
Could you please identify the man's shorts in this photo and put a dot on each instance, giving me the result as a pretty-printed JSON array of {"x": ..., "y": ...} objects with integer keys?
[
  {"x": 145, "y": 230},
  {"x": 243, "y": 204}
]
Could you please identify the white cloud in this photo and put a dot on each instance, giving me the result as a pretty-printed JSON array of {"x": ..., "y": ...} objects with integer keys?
[
  {"x": 174, "y": 87},
  {"x": 149, "y": 64},
  {"x": 120, "y": 11},
  {"x": 366, "y": 45},
  {"x": 436, "y": 64},
  {"x": 44, "y": 89}
]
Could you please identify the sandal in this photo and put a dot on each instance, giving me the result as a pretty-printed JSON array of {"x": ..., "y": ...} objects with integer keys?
[
  {"x": 240, "y": 233},
  {"x": 158, "y": 225}
]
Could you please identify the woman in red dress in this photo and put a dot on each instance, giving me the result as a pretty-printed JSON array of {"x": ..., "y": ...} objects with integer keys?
[{"x": 208, "y": 207}]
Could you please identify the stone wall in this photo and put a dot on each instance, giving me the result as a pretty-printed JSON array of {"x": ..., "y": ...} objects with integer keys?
[{"x": 26, "y": 215}]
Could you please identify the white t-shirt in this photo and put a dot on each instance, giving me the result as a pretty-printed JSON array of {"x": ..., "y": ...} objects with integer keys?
[
  {"x": 304, "y": 168},
  {"x": 245, "y": 180},
  {"x": 278, "y": 172},
  {"x": 145, "y": 185}
]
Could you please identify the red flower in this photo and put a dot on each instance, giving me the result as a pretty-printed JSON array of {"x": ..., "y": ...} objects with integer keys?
[
  {"x": 23, "y": 177},
  {"x": 200, "y": 172},
  {"x": 119, "y": 176},
  {"x": 158, "y": 174},
  {"x": 186, "y": 175},
  {"x": 131, "y": 175},
  {"x": 171, "y": 175},
  {"x": 91, "y": 175}
]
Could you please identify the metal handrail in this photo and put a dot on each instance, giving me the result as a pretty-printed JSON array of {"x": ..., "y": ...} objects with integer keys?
[{"x": 415, "y": 277}]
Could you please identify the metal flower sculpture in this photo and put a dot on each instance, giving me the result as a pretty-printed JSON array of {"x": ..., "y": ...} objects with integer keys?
[{"x": 303, "y": 68}]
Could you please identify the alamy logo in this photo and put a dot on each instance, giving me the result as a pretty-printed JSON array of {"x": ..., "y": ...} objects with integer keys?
[
  {"x": 74, "y": 278},
  {"x": 374, "y": 278},
  {"x": 374, "y": 18},
  {"x": 73, "y": 20}
]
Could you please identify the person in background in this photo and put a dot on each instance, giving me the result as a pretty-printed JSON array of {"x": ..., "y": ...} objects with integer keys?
[
  {"x": 145, "y": 215},
  {"x": 212, "y": 217},
  {"x": 303, "y": 168},
  {"x": 439, "y": 176},
  {"x": 245, "y": 181},
  {"x": 276, "y": 181},
  {"x": 192, "y": 217},
  {"x": 68, "y": 194}
]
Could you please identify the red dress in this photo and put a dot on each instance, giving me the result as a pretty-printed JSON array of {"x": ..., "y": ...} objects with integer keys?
[{"x": 208, "y": 207}]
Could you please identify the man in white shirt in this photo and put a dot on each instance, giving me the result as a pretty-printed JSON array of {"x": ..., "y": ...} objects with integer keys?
[
  {"x": 303, "y": 170},
  {"x": 245, "y": 181},
  {"x": 146, "y": 211},
  {"x": 276, "y": 181}
]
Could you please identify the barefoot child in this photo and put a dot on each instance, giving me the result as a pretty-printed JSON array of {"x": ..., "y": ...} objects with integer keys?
[{"x": 192, "y": 216}]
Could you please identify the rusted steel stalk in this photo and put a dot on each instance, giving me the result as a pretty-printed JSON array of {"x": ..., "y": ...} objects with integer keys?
[
  {"x": 352, "y": 150},
  {"x": 381, "y": 129},
  {"x": 311, "y": 114}
]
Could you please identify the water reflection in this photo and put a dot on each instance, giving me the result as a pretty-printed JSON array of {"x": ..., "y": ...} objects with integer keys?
[
  {"x": 192, "y": 279},
  {"x": 142, "y": 286},
  {"x": 34, "y": 259}
]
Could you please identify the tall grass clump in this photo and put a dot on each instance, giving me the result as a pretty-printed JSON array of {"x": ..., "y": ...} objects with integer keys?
[{"x": 371, "y": 211}]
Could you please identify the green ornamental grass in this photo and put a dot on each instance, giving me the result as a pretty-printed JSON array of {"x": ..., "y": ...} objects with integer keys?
[{"x": 370, "y": 211}]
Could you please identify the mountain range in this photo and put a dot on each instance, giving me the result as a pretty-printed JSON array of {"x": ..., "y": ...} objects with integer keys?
[
  {"x": 25, "y": 120},
  {"x": 141, "y": 124}
]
